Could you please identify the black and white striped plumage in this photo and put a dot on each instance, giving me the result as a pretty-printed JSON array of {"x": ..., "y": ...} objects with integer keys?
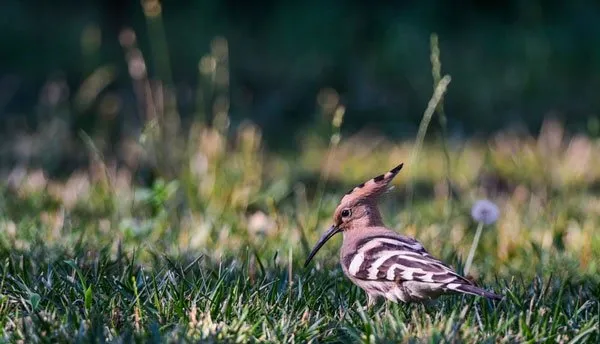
[
  {"x": 398, "y": 268},
  {"x": 383, "y": 262}
]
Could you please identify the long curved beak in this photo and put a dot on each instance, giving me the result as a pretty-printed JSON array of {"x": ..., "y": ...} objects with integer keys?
[{"x": 330, "y": 233}]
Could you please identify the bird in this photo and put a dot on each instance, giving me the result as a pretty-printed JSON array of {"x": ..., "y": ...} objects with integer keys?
[{"x": 383, "y": 262}]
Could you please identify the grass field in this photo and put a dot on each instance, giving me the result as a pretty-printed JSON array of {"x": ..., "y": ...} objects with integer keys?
[{"x": 214, "y": 250}]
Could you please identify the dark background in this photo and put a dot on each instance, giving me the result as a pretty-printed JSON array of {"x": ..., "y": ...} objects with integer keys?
[{"x": 511, "y": 62}]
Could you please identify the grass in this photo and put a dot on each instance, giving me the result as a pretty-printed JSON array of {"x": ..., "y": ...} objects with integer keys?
[
  {"x": 217, "y": 253},
  {"x": 211, "y": 249},
  {"x": 93, "y": 297}
]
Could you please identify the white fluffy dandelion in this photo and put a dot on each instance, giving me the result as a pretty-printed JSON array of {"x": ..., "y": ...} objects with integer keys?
[{"x": 485, "y": 213}]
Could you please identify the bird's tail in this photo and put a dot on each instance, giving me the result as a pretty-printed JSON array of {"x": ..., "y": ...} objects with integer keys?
[{"x": 473, "y": 290}]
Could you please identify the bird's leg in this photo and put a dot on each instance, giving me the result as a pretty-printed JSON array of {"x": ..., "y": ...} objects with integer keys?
[{"x": 370, "y": 301}]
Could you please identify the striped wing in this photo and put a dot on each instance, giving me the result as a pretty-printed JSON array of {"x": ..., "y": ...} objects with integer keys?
[{"x": 398, "y": 258}]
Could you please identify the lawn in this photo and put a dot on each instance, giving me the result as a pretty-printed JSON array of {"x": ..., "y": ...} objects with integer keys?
[
  {"x": 199, "y": 231},
  {"x": 214, "y": 251}
]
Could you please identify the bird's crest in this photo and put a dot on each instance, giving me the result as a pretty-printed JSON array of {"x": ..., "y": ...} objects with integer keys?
[{"x": 374, "y": 187}]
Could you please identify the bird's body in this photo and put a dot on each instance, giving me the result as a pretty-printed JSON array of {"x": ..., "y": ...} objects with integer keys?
[
  {"x": 398, "y": 268},
  {"x": 384, "y": 263}
]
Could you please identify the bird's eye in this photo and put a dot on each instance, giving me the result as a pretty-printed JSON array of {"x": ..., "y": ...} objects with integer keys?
[{"x": 346, "y": 213}]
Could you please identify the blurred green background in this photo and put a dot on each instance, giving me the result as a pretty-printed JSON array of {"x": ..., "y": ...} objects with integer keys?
[{"x": 513, "y": 63}]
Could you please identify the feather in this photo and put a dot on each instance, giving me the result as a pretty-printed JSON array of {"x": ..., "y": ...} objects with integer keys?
[
  {"x": 373, "y": 187},
  {"x": 399, "y": 259}
]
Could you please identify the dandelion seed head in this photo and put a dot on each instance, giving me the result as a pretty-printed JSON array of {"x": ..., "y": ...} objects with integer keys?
[{"x": 485, "y": 211}]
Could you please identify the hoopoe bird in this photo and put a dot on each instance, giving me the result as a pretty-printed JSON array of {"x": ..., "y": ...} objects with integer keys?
[{"x": 382, "y": 262}]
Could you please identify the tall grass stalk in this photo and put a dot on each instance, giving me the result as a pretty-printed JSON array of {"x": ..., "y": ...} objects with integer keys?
[
  {"x": 436, "y": 70},
  {"x": 437, "y": 96},
  {"x": 469, "y": 260},
  {"x": 165, "y": 101},
  {"x": 158, "y": 40},
  {"x": 334, "y": 140}
]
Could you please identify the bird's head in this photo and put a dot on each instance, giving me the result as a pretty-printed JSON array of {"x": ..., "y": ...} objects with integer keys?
[{"x": 358, "y": 208}]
